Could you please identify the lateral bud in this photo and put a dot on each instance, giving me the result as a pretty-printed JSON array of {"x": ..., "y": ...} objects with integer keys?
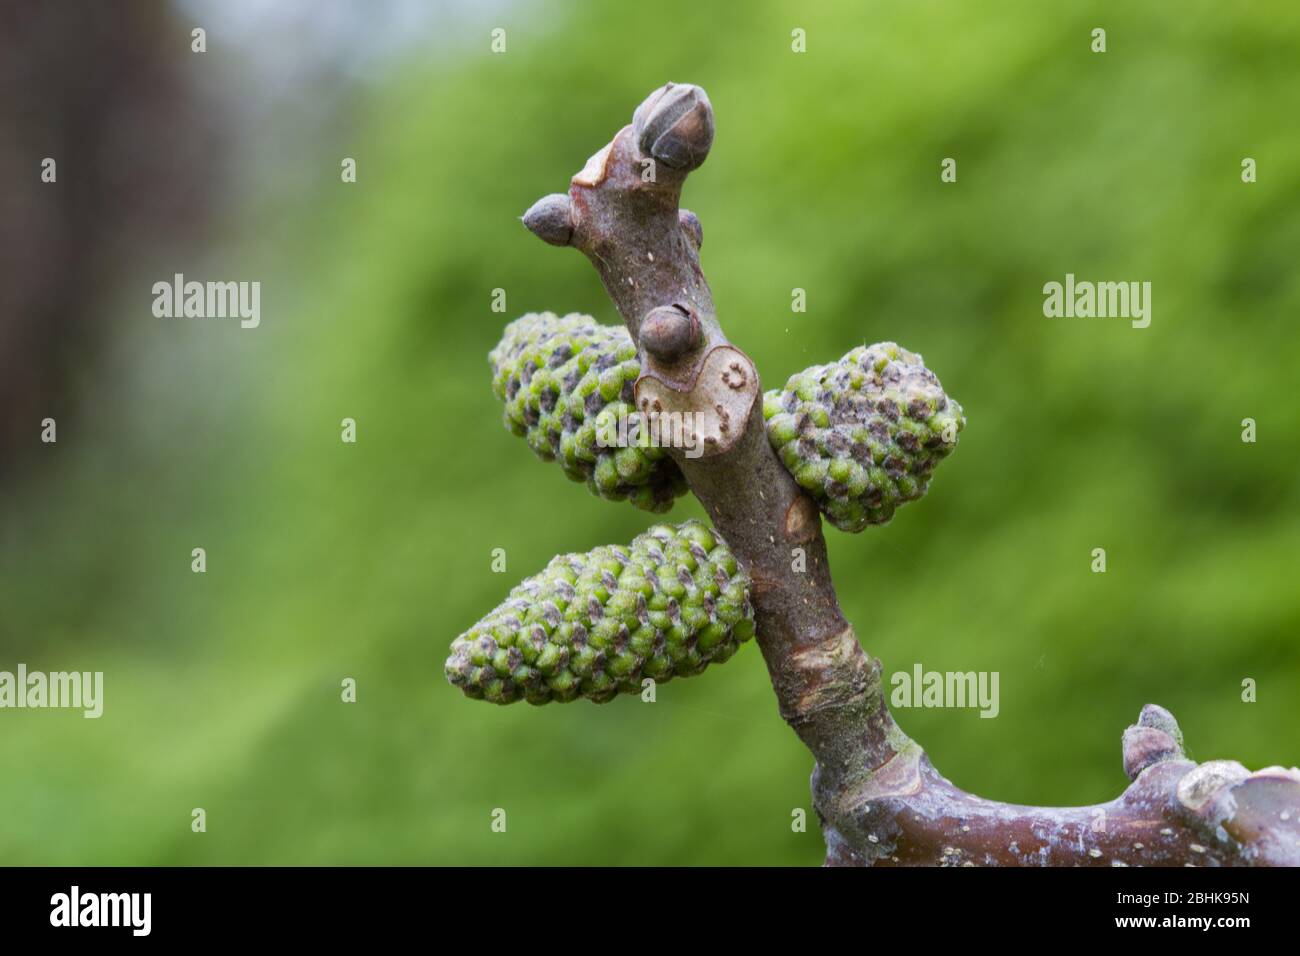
[
  {"x": 551, "y": 220},
  {"x": 670, "y": 332}
]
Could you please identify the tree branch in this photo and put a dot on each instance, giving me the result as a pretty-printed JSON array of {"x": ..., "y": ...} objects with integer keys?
[{"x": 880, "y": 800}]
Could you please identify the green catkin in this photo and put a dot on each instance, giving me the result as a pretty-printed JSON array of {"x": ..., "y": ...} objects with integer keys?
[
  {"x": 862, "y": 435},
  {"x": 597, "y": 624},
  {"x": 564, "y": 378}
]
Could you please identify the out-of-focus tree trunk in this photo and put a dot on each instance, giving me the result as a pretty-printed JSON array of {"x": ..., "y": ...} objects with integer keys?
[{"x": 102, "y": 90}]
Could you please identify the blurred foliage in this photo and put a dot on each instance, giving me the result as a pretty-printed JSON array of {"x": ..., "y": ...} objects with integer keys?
[{"x": 328, "y": 560}]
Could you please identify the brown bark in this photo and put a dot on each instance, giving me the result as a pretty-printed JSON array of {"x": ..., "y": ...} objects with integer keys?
[{"x": 880, "y": 800}]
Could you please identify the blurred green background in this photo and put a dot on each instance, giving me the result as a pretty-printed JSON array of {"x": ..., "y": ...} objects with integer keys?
[{"x": 328, "y": 560}]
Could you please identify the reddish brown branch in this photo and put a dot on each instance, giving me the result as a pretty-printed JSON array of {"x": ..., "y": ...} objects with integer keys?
[{"x": 879, "y": 798}]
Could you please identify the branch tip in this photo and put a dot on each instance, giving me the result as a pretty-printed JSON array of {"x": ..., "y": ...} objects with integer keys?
[
  {"x": 1153, "y": 715},
  {"x": 674, "y": 124},
  {"x": 1145, "y": 746},
  {"x": 1154, "y": 738}
]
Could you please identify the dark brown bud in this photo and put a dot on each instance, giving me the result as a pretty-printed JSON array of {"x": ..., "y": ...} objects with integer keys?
[
  {"x": 669, "y": 332},
  {"x": 691, "y": 223},
  {"x": 550, "y": 220},
  {"x": 675, "y": 125}
]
